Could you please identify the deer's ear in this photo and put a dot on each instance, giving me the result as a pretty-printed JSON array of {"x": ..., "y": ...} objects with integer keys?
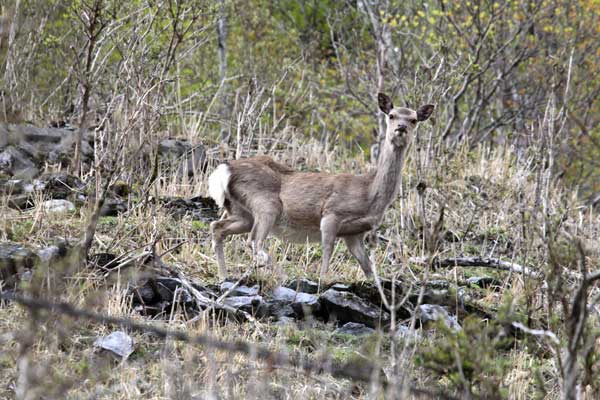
[
  {"x": 385, "y": 103},
  {"x": 424, "y": 112}
]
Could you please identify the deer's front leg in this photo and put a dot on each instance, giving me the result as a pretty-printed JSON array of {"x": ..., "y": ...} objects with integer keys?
[
  {"x": 329, "y": 230},
  {"x": 356, "y": 246},
  {"x": 228, "y": 225}
]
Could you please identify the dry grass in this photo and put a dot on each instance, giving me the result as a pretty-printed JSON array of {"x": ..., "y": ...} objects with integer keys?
[{"x": 489, "y": 197}]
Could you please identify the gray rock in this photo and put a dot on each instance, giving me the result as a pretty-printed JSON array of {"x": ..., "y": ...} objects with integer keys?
[
  {"x": 484, "y": 281},
  {"x": 198, "y": 208},
  {"x": 354, "y": 329},
  {"x": 53, "y": 252},
  {"x": 405, "y": 333},
  {"x": 289, "y": 295},
  {"x": 172, "y": 290},
  {"x": 57, "y": 206},
  {"x": 303, "y": 304},
  {"x": 118, "y": 343},
  {"x": 340, "y": 287},
  {"x": 280, "y": 309},
  {"x": 26, "y": 148},
  {"x": 240, "y": 290},
  {"x": 58, "y": 185},
  {"x": 182, "y": 156},
  {"x": 51, "y": 186},
  {"x": 428, "y": 313},
  {"x": 15, "y": 260},
  {"x": 285, "y": 321},
  {"x": 113, "y": 207},
  {"x": 17, "y": 164},
  {"x": 254, "y": 305},
  {"x": 304, "y": 285},
  {"x": 348, "y": 307}
]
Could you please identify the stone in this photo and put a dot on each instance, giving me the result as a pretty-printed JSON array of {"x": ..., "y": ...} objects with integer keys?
[
  {"x": 23, "y": 193},
  {"x": 340, "y": 287},
  {"x": 405, "y": 333},
  {"x": 25, "y": 149},
  {"x": 54, "y": 251},
  {"x": 285, "y": 294},
  {"x": 58, "y": 185},
  {"x": 348, "y": 307},
  {"x": 280, "y": 309},
  {"x": 118, "y": 343},
  {"x": 17, "y": 164},
  {"x": 484, "y": 281},
  {"x": 171, "y": 290},
  {"x": 304, "y": 285},
  {"x": 428, "y": 313},
  {"x": 354, "y": 329},
  {"x": 15, "y": 260},
  {"x": 58, "y": 206},
  {"x": 253, "y": 305},
  {"x": 113, "y": 207},
  {"x": 303, "y": 304},
  {"x": 240, "y": 290},
  {"x": 198, "y": 208},
  {"x": 181, "y": 156}
]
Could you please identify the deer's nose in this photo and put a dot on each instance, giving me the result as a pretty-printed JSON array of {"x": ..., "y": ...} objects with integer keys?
[{"x": 401, "y": 128}]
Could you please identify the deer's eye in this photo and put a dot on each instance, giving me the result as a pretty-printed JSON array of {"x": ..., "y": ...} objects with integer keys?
[
  {"x": 413, "y": 121},
  {"x": 391, "y": 116}
]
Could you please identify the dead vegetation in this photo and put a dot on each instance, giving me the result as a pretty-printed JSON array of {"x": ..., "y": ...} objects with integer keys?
[{"x": 487, "y": 262}]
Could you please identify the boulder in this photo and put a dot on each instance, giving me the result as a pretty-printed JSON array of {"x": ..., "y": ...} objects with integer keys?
[
  {"x": 198, "y": 208},
  {"x": 118, "y": 343},
  {"x": 15, "y": 260},
  {"x": 348, "y": 307},
  {"x": 280, "y": 310},
  {"x": 181, "y": 156},
  {"x": 304, "y": 285},
  {"x": 428, "y": 313},
  {"x": 354, "y": 329},
  {"x": 253, "y": 305},
  {"x": 58, "y": 206},
  {"x": 25, "y": 149},
  {"x": 113, "y": 207},
  {"x": 484, "y": 282},
  {"x": 240, "y": 290},
  {"x": 303, "y": 304},
  {"x": 340, "y": 287},
  {"x": 57, "y": 186}
]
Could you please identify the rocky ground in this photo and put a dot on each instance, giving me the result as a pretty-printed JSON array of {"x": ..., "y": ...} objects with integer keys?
[{"x": 455, "y": 292}]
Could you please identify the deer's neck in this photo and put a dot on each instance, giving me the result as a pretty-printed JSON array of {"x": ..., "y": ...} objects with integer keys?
[{"x": 387, "y": 179}]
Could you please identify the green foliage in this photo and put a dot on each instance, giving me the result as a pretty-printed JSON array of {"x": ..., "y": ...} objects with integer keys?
[{"x": 480, "y": 372}]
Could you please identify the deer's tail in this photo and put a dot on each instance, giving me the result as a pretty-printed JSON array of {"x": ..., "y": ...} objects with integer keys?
[{"x": 218, "y": 182}]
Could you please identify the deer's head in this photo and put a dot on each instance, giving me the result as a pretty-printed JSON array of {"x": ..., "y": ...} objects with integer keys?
[{"x": 401, "y": 122}]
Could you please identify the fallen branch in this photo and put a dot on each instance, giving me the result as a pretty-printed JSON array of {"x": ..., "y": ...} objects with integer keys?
[{"x": 484, "y": 262}]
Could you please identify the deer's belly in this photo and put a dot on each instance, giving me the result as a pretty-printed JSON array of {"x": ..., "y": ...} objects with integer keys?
[{"x": 293, "y": 233}]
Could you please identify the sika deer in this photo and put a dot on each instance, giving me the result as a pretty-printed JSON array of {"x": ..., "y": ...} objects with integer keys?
[{"x": 261, "y": 196}]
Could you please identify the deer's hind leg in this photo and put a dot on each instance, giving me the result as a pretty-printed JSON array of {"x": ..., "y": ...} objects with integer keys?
[
  {"x": 265, "y": 212},
  {"x": 230, "y": 224}
]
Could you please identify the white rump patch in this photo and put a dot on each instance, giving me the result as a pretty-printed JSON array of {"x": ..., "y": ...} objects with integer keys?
[{"x": 218, "y": 182}]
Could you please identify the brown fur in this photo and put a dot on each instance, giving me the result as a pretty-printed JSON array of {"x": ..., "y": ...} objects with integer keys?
[{"x": 265, "y": 197}]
